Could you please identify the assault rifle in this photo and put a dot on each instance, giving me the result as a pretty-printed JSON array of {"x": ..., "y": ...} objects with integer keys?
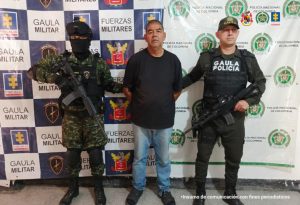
[
  {"x": 223, "y": 108},
  {"x": 78, "y": 89}
]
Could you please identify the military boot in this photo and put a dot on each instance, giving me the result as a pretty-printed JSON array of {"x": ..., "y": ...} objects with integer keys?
[
  {"x": 100, "y": 198},
  {"x": 201, "y": 194},
  {"x": 230, "y": 196},
  {"x": 72, "y": 192}
]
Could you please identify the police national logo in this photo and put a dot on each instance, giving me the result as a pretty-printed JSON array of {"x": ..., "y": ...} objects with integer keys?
[
  {"x": 51, "y": 110},
  {"x": 279, "y": 138},
  {"x": 179, "y": 8},
  {"x": 256, "y": 111},
  {"x": 262, "y": 17},
  {"x": 284, "y": 76},
  {"x": 177, "y": 137},
  {"x": 56, "y": 164},
  {"x": 205, "y": 42},
  {"x": 236, "y": 7},
  {"x": 261, "y": 43},
  {"x": 291, "y": 9}
]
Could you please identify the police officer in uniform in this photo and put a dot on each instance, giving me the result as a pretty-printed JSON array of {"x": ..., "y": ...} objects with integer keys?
[
  {"x": 79, "y": 130},
  {"x": 226, "y": 71}
]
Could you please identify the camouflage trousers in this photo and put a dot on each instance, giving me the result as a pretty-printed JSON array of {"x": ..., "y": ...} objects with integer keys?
[{"x": 80, "y": 131}]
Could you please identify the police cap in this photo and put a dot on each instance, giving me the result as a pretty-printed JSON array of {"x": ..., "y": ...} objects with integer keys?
[{"x": 228, "y": 21}]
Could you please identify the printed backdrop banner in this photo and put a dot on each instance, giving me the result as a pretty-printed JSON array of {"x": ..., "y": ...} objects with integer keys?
[{"x": 31, "y": 136}]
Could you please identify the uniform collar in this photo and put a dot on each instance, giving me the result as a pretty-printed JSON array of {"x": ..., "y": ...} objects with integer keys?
[
  {"x": 86, "y": 61},
  {"x": 237, "y": 52}
]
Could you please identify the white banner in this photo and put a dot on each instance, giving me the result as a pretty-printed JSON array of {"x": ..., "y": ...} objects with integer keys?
[{"x": 30, "y": 145}]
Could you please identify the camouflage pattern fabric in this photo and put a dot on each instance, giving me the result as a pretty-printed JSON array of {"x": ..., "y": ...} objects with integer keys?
[
  {"x": 47, "y": 68},
  {"x": 80, "y": 131},
  {"x": 98, "y": 170}
]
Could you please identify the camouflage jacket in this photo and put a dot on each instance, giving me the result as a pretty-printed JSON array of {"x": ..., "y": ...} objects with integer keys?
[{"x": 46, "y": 70}]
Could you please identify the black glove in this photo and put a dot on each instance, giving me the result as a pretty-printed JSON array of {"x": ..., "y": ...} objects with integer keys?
[{"x": 64, "y": 84}]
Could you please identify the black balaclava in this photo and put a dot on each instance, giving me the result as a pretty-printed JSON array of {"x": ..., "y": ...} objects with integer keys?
[{"x": 80, "y": 47}]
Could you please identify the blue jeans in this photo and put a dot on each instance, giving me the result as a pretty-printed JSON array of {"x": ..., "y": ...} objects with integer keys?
[{"x": 159, "y": 139}]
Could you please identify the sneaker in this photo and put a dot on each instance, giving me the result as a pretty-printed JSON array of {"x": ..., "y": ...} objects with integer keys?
[
  {"x": 133, "y": 196},
  {"x": 167, "y": 198}
]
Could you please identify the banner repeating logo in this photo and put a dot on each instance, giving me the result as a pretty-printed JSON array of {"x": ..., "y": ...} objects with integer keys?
[
  {"x": 247, "y": 19},
  {"x": 275, "y": 18},
  {"x": 45, "y": 3},
  {"x": 119, "y": 109},
  {"x": 261, "y": 43},
  {"x": 177, "y": 137},
  {"x": 13, "y": 85},
  {"x": 279, "y": 138},
  {"x": 116, "y": 110},
  {"x": 9, "y": 24},
  {"x": 47, "y": 50},
  {"x": 262, "y": 17},
  {"x": 117, "y": 54},
  {"x": 149, "y": 16},
  {"x": 291, "y": 8},
  {"x": 236, "y": 7},
  {"x": 284, "y": 76},
  {"x": 51, "y": 110},
  {"x": 19, "y": 139},
  {"x": 118, "y": 162},
  {"x": 83, "y": 17},
  {"x": 178, "y": 8},
  {"x": 256, "y": 111},
  {"x": 205, "y": 42},
  {"x": 56, "y": 164},
  {"x": 115, "y": 2}
]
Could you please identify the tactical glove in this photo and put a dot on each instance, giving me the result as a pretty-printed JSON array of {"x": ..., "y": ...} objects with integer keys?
[{"x": 64, "y": 84}]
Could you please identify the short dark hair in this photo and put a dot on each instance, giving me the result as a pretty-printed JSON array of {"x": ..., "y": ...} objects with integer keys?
[{"x": 153, "y": 22}]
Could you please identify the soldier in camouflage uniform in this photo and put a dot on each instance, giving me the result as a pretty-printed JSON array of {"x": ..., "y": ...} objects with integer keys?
[{"x": 79, "y": 130}]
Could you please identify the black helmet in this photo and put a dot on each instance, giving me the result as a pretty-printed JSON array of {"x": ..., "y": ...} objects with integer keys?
[{"x": 79, "y": 28}]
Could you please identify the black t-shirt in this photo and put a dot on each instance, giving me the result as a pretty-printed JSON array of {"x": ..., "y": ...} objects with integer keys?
[{"x": 152, "y": 81}]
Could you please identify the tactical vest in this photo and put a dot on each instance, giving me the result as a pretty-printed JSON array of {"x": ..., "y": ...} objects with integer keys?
[
  {"x": 224, "y": 77},
  {"x": 91, "y": 79}
]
